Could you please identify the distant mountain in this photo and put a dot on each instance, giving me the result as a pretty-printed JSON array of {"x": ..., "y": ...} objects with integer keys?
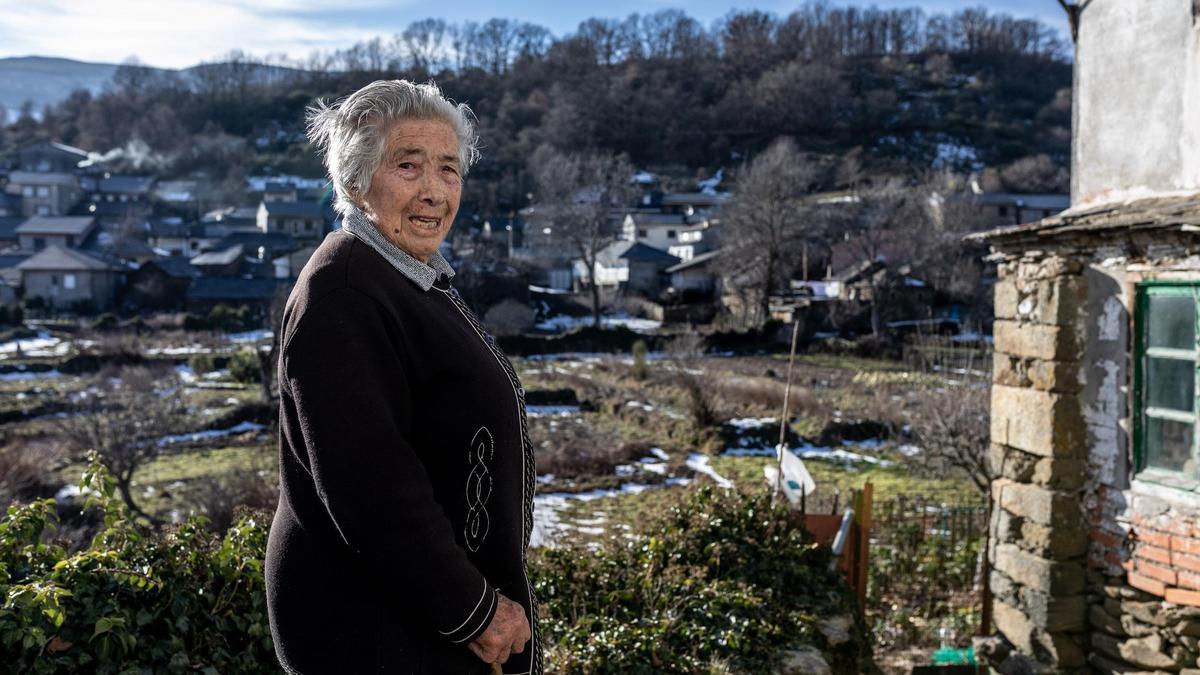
[
  {"x": 46, "y": 80},
  {"x": 49, "y": 80}
]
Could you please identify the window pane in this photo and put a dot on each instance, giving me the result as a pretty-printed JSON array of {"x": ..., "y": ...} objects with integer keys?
[
  {"x": 1170, "y": 383},
  {"x": 1172, "y": 321},
  {"x": 1169, "y": 445}
]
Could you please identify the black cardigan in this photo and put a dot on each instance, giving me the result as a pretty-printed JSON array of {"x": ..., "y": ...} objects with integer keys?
[{"x": 406, "y": 475}]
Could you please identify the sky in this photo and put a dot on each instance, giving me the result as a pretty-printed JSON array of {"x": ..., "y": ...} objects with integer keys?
[{"x": 182, "y": 33}]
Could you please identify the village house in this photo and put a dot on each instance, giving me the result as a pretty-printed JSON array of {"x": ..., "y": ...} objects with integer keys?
[
  {"x": 117, "y": 199},
  {"x": 288, "y": 266},
  {"x": 173, "y": 237},
  {"x": 694, "y": 275},
  {"x": 679, "y": 235},
  {"x": 8, "y": 231},
  {"x": 64, "y": 277},
  {"x": 39, "y": 232},
  {"x": 275, "y": 191},
  {"x": 208, "y": 292},
  {"x": 629, "y": 265},
  {"x": 45, "y": 179},
  {"x": 1008, "y": 208},
  {"x": 8, "y": 266},
  {"x": 49, "y": 157},
  {"x": 1095, "y": 535},
  {"x": 44, "y": 194},
  {"x": 223, "y": 262},
  {"x": 305, "y": 221},
  {"x": 160, "y": 284}
]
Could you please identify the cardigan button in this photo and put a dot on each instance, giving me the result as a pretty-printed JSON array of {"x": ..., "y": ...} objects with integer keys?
[{"x": 521, "y": 392}]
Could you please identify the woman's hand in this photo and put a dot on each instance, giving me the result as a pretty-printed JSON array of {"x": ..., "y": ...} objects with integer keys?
[{"x": 506, "y": 634}]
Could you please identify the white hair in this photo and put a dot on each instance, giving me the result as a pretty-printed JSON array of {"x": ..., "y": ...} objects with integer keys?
[{"x": 352, "y": 132}]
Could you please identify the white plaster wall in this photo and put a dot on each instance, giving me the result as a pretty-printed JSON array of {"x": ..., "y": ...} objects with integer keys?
[
  {"x": 1137, "y": 101},
  {"x": 1103, "y": 372}
]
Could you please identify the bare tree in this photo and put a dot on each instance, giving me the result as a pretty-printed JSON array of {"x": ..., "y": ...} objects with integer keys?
[
  {"x": 424, "y": 42},
  {"x": 874, "y": 228},
  {"x": 577, "y": 196},
  {"x": 951, "y": 426},
  {"x": 764, "y": 225},
  {"x": 124, "y": 417}
]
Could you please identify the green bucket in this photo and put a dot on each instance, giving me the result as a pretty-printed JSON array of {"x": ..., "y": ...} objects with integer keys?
[{"x": 948, "y": 656}]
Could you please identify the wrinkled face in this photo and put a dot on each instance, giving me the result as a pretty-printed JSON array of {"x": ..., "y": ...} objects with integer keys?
[{"x": 415, "y": 191}]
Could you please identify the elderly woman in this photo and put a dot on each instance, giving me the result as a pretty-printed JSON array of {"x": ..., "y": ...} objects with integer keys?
[{"x": 406, "y": 471}]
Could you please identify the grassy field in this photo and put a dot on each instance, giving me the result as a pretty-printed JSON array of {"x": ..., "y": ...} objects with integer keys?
[{"x": 631, "y": 439}]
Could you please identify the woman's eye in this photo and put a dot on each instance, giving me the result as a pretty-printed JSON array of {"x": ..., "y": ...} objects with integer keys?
[{"x": 407, "y": 165}]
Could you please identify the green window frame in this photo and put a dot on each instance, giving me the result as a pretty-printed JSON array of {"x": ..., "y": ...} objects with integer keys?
[{"x": 1166, "y": 373}]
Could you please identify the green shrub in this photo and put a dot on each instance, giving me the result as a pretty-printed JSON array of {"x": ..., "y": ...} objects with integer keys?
[
  {"x": 134, "y": 600},
  {"x": 229, "y": 319},
  {"x": 204, "y": 363},
  {"x": 244, "y": 367},
  {"x": 720, "y": 577}
]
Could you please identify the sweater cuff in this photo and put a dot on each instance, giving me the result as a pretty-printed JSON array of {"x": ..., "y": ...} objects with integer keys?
[{"x": 477, "y": 621}]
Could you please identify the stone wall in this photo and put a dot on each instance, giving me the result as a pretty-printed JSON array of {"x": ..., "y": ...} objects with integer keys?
[
  {"x": 1039, "y": 541},
  {"x": 1093, "y": 568}
]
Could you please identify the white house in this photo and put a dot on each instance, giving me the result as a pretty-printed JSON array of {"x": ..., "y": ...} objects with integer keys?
[{"x": 679, "y": 235}]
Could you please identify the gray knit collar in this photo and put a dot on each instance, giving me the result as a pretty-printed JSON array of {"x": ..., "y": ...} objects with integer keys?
[{"x": 358, "y": 224}]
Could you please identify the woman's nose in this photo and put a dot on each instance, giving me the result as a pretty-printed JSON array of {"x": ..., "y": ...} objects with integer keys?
[{"x": 431, "y": 191}]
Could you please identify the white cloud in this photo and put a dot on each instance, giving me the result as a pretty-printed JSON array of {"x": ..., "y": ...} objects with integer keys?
[{"x": 171, "y": 33}]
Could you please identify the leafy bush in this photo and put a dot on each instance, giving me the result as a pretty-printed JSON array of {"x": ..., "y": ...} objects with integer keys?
[
  {"x": 720, "y": 577},
  {"x": 134, "y": 599},
  {"x": 244, "y": 367},
  {"x": 222, "y": 317},
  {"x": 204, "y": 363},
  {"x": 226, "y": 318},
  {"x": 921, "y": 583}
]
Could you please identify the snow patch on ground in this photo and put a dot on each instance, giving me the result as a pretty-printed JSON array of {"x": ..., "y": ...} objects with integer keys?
[
  {"x": 250, "y": 336},
  {"x": 748, "y": 423},
  {"x": 215, "y": 433},
  {"x": 808, "y": 451},
  {"x": 548, "y": 526},
  {"x": 19, "y": 375},
  {"x": 42, "y": 345},
  {"x": 192, "y": 349},
  {"x": 551, "y": 410},
  {"x": 563, "y": 323},
  {"x": 699, "y": 463}
]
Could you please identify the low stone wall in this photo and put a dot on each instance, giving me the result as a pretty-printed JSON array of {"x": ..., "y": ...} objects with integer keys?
[{"x": 1134, "y": 631}]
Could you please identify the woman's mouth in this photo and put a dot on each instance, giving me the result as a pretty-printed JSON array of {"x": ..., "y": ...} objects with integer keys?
[{"x": 425, "y": 223}]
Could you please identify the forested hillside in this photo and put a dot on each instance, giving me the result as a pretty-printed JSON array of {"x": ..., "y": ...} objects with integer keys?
[{"x": 898, "y": 90}]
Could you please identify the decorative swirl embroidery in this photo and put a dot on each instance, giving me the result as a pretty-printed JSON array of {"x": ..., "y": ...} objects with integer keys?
[{"x": 479, "y": 489}]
